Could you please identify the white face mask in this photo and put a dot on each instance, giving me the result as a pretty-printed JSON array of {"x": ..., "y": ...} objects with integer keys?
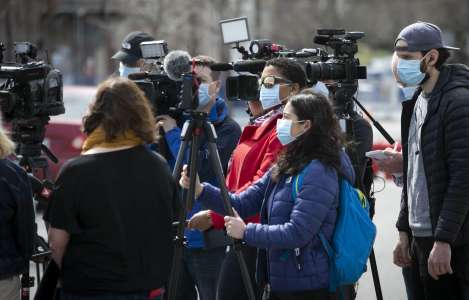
[
  {"x": 407, "y": 93},
  {"x": 270, "y": 97},
  {"x": 284, "y": 131},
  {"x": 124, "y": 71}
]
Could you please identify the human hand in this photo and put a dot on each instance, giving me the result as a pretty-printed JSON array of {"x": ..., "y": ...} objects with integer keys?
[
  {"x": 401, "y": 253},
  {"x": 235, "y": 226},
  {"x": 214, "y": 89},
  {"x": 201, "y": 221},
  {"x": 184, "y": 182},
  {"x": 166, "y": 122},
  {"x": 393, "y": 163},
  {"x": 439, "y": 261}
]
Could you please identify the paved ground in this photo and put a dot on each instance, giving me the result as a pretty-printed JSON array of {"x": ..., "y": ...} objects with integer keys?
[{"x": 387, "y": 207}]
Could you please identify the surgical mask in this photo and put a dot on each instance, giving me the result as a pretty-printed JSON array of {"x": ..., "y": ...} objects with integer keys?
[
  {"x": 204, "y": 97},
  {"x": 270, "y": 97},
  {"x": 408, "y": 71},
  {"x": 284, "y": 131},
  {"x": 124, "y": 71},
  {"x": 407, "y": 92}
]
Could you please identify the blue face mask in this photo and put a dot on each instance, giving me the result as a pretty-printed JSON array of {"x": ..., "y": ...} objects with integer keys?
[
  {"x": 204, "y": 97},
  {"x": 409, "y": 73},
  {"x": 124, "y": 71},
  {"x": 407, "y": 93},
  {"x": 284, "y": 131},
  {"x": 270, "y": 97}
]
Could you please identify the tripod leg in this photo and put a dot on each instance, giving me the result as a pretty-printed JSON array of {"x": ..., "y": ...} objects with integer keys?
[
  {"x": 180, "y": 158},
  {"x": 185, "y": 137},
  {"x": 216, "y": 165},
  {"x": 192, "y": 172},
  {"x": 374, "y": 272},
  {"x": 176, "y": 266},
  {"x": 188, "y": 197}
]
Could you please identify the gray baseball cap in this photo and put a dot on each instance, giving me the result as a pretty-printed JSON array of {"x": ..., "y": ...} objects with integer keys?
[{"x": 421, "y": 36}]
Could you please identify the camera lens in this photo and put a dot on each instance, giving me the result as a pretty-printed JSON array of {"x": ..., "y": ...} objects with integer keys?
[{"x": 322, "y": 71}]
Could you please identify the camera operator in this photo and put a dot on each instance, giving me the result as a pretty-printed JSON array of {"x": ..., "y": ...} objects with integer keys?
[
  {"x": 205, "y": 252},
  {"x": 434, "y": 163},
  {"x": 130, "y": 55},
  {"x": 110, "y": 224},
  {"x": 258, "y": 148},
  {"x": 17, "y": 227}
]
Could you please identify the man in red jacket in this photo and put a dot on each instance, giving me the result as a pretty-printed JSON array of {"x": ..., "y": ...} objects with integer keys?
[{"x": 257, "y": 150}]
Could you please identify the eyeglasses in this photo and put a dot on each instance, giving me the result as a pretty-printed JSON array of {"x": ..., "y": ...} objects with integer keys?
[{"x": 270, "y": 81}]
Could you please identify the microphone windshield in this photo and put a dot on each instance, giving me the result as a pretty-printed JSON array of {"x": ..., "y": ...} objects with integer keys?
[{"x": 176, "y": 63}]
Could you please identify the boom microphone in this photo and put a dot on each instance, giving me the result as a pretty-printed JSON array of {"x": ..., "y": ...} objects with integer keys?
[
  {"x": 254, "y": 66},
  {"x": 176, "y": 63}
]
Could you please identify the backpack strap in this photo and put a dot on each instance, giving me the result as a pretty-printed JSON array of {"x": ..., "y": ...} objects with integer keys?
[{"x": 297, "y": 182}]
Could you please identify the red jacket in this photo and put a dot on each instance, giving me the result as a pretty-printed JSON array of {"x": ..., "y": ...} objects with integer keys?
[{"x": 257, "y": 150}]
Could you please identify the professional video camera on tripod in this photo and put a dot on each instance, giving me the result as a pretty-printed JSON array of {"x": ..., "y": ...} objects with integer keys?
[
  {"x": 161, "y": 88},
  {"x": 180, "y": 66},
  {"x": 31, "y": 92}
]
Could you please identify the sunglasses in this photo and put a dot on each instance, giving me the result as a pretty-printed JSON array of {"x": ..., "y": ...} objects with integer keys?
[{"x": 270, "y": 81}]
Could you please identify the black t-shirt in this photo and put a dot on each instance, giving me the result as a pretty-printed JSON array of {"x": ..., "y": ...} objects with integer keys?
[{"x": 118, "y": 209}]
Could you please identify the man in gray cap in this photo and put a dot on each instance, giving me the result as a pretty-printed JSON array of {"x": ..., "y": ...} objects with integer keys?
[
  {"x": 434, "y": 164},
  {"x": 130, "y": 55}
]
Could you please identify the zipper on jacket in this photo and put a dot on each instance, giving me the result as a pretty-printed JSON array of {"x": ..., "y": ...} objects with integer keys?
[{"x": 299, "y": 264}]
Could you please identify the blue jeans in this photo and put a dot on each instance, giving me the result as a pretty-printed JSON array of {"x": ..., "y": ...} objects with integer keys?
[{"x": 203, "y": 267}]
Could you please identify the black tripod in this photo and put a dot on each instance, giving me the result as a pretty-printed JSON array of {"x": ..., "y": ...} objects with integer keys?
[
  {"x": 344, "y": 100},
  {"x": 192, "y": 132},
  {"x": 29, "y": 134}
]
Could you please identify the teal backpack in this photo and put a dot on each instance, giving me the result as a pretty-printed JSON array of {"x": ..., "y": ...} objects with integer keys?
[{"x": 353, "y": 236}]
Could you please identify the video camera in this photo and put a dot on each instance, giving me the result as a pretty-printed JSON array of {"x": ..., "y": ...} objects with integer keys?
[
  {"x": 245, "y": 85},
  {"x": 29, "y": 88},
  {"x": 339, "y": 70},
  {"x": 167, "y": 79},
  {"x": 30, "y": 92},
  {"x": 342, "y": 64}
]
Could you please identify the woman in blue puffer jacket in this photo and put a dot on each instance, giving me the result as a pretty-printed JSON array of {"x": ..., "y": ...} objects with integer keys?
[{"x": 313, "y": 140}]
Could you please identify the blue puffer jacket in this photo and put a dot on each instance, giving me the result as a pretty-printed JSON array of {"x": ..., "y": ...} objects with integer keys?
[
  {"x": 287, "y": 224},
  {"x": 228, "y": 133}
]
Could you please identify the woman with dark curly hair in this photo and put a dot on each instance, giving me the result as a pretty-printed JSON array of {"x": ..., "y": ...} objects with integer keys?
[
  {"x": 110, "y": 214},
  {"x": 313, "y": 143}
]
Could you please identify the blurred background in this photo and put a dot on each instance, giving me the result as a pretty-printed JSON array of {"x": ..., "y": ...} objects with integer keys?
[{"x": 80, "y": 36}]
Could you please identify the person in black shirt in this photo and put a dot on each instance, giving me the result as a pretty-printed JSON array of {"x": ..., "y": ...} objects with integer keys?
[{"x": 112, "y": 208}]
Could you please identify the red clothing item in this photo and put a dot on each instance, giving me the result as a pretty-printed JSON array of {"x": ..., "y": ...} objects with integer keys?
[{"x": 257, "y": 150}]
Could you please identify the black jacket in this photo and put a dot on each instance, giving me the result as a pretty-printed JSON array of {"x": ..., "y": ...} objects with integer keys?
[
  {"x": 445, "y": 150},
  {"x": 17, "y": 226}
]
